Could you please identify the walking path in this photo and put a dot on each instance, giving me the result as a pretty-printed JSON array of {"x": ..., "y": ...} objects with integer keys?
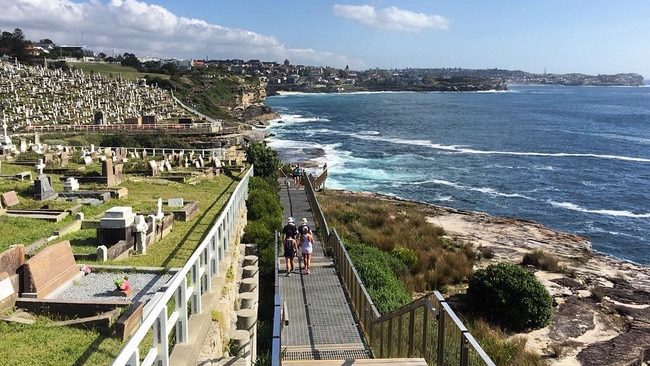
[{"x": 321, "y": 322}]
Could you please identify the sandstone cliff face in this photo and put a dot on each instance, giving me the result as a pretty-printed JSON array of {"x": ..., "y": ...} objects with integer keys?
[{"x": 248, "y": 107}]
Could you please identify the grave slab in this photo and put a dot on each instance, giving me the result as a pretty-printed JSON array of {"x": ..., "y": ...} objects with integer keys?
[
  {"x": 49, "y": 270},
  {"x": 10, "y": 199}
]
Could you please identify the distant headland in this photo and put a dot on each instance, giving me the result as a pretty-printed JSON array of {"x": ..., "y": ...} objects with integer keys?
[{"x": 444, "y": 80}]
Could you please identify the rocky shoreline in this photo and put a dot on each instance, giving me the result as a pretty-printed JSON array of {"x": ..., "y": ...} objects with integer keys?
[{"x": 602, "y": 311}]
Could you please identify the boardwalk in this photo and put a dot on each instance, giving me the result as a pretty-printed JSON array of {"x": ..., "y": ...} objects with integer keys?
[{"x": 321, "y": 323}]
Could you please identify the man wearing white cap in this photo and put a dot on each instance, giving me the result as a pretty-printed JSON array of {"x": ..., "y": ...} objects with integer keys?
[
  {"x": 290, "y": 228},
  {"x": 303, "y": 225}
]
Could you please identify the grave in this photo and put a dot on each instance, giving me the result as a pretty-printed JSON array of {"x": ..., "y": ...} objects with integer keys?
[
  {"x": 71, "y": 184},
  {"x": 49, "y": 270},
  {"x": 10, "y": 199},
  {"x": 115, "y": 226},
  {"x": 43, "y": 188}
]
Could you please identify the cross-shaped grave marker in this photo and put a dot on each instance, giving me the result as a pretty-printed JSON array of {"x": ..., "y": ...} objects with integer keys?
[{"x": 40, "y": 166}]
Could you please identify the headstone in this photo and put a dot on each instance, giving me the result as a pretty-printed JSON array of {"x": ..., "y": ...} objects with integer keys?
[
  {"x": 40, "y": 166},
  {"x": 102, "y": 253},
  {"x": 140, "y": 227},
  {"x": 108, "y": 173},
  {"x": 48, "y": 159},
  {"x": 117, "y": 173},
  {"x": 175, "y": 202},
  {"x": 48, "y": 270},
  {"x": 79, "y": 216},
  {"x": 23, "y": 145},
  {"x": 153, "y": 169},
  {"x": 87, "y": 160},
  {"x": 65, "y": 158},
  {"x": 159, "y": 213},
  {"x": 43, "y": 188},
  {"x": 12, "y": 259},
  {"x": 9, "y": 199},
  {"x": 71, "y": 184}
]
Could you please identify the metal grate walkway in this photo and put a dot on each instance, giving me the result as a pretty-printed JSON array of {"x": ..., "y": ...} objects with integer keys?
[{"x": 321, "y": 322}]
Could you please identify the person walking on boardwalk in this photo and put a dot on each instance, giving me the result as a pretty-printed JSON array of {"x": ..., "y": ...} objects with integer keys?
[
  {"x": 297, "y": 176},
  {"x": 306, "y": 247},
  {"x": 290, "y": 250},
  {"x": 290, "y": 228},
  {"x": 303, "y": 224}
]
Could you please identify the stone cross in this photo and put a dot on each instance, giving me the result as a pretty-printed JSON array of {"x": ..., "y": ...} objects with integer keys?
[{"x": 40, "y": 166}]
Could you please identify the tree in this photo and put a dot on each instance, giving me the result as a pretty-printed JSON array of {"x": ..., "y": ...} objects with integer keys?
[
  {"x": 129, "y": 59},
  {"x": 510, "y": 296},
  {"x": 265, "y": 160}
]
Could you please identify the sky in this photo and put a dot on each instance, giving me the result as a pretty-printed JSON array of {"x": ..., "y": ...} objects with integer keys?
[{"x": 554, "y": 36}]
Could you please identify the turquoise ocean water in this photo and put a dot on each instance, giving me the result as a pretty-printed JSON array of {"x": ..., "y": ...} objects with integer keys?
[{"x": 575, "y": 159}]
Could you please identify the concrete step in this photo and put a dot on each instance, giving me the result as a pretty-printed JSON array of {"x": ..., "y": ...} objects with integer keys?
[{"x": 373, "y": 361}]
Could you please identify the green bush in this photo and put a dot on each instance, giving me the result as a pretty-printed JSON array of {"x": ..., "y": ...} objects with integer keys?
[
  {"x": 376, "y": 269},
  {"x": 510, "y": 296},
  {"x": 263, "y": 204},
  {"x": 265, "y": 160},
  {"x": 406, "y": 255}
]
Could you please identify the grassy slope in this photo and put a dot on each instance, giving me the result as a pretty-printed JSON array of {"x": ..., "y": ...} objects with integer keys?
[{"x": 127, "y": 73}]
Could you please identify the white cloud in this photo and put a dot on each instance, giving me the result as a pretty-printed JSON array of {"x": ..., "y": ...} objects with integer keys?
[
  {"x": 147, "y": 30},
  {"x": 391, "y": 18}
]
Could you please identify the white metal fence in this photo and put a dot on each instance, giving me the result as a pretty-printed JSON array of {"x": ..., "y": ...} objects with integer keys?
[{"x": 184, "y": 290}]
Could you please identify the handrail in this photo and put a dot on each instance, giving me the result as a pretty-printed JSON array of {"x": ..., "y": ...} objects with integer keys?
[
  {"x": 278, "y": 313},
  {"x": 202, "y": 265},
  {"x": 439, "y": 337}
]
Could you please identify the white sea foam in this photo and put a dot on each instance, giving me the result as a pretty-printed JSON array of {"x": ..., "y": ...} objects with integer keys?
[
  {"x": 620, "y": 213},
  {"x": 462, "y": 150}
]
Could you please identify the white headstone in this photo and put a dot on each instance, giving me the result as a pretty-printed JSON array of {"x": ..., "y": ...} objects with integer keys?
[
  {"x": 40, "y": 166},
  {"x": 159, "y": 214},
  {"x": 102, "y": 253}
]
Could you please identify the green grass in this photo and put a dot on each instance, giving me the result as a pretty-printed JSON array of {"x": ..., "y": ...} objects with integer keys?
[
  {"x": 44, "y": 344},
  {"x": 114, "y": 70}
]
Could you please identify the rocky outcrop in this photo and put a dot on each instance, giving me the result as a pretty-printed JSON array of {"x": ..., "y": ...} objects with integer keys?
[{"x": 602, "y": 304}]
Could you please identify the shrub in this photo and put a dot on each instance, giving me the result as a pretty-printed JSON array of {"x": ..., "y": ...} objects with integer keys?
[
  {"x": 510, "y": 296},
  {"x": 377, "y": 274},
  {"x": 265, "y": 160},
  {"x": 406, "y": 255},
  {"x": 541, "y": 260}
]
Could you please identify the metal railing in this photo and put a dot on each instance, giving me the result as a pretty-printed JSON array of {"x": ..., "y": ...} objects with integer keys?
[
  {"x": 278, "y": 316},
  {"x": 183, "y": 292},
  {"x": 426, "y": 328}
]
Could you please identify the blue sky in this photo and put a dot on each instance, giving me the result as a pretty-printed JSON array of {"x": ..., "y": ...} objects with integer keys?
[{"x": 559, "y": 36}]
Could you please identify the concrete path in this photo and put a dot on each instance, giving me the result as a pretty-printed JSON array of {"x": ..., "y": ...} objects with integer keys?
[{"x": 321, "y": 322}]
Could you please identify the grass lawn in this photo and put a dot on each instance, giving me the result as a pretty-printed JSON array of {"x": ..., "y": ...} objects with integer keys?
[
  {"x": 44, "y": 344},
  {"x": 127, "y": 73}
]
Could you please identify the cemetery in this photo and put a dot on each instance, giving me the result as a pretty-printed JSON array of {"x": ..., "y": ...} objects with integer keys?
[{"x": 89, "y": 221}]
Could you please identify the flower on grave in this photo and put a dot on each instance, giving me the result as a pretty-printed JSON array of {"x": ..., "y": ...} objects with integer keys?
[
  {"x": 122, "y": 283},
  {"x": 86, "y": 270}
]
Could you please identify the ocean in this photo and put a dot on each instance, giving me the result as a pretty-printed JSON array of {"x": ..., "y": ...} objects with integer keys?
[{"x": 575, "y": 159}]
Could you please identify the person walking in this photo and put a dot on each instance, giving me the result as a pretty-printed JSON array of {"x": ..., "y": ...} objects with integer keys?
[
  {"x": 297, "y": 176},
  {"x": 290, "y": 228},
  {"x": 304, "y": 224},
  {"x": 290, "y": 250},
  {"x": 306, "y": 247}
]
